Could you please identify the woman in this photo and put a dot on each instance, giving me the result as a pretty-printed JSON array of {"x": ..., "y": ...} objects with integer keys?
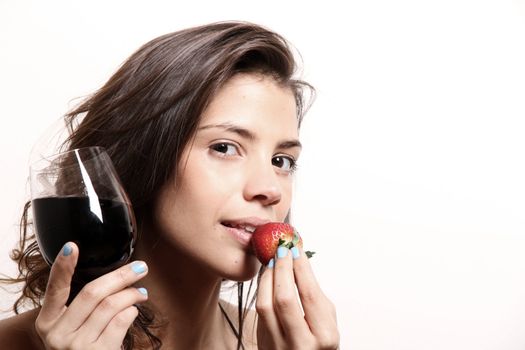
[{"x": 202, "y": 126}]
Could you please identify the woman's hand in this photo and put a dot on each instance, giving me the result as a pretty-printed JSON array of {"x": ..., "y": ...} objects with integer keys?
[
  {"x": 288, "y": 322},
  {"x": 101, "y": 313}
]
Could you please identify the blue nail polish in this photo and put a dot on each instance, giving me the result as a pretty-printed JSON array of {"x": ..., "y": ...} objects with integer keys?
[
  {"x": 271, "y": 263},
  {"x": 282, "y": 252},
  {"x": 295, "y": 252},
  {"x": 138, "y": 267},
  {"x": 67, "y": 250},
  {"x": 143, "y": 291}
]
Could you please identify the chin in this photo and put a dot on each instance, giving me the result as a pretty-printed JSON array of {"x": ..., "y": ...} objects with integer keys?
[{"x": 242, "y": 270}]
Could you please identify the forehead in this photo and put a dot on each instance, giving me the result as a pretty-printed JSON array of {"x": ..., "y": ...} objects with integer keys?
[{"x": 252, "y": 98}]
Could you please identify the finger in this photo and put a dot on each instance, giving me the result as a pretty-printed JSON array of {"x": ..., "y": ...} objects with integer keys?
[
  {"x": 99, "y": 319},
  {"x": 95, "y": 291},
  {"x": 268, "y": 322},
  {"x": 59, "y": 283},
  {"x": 113, "y": 335},
  {"x": 318, "y": 310},
  {"x": 285, "y": 298}
]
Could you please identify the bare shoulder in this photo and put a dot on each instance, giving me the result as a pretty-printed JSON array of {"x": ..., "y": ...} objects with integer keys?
[
  {"x": 18, "y": 332},
  {"x": 249, "y": 327}
]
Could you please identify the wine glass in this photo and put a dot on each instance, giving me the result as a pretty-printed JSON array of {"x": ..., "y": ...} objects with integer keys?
[{"x": 77, "y": 196}]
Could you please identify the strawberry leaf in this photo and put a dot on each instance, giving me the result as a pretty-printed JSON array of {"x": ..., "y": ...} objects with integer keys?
[
  {"x": 309, "y": 254},
  {"x": 296, "y": 238},
  {"x": 283, "y": 243}
]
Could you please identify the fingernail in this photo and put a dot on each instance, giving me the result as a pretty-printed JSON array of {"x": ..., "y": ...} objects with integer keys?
[
  {"x": 138, "y": 267},
  {"x": 143, "y": 291},
  {"x": 295, "y": 252},
  {"x": 271, "y": 263},
  {"x": 282, "y": 252},
  {"x": 67, "y": 250}
]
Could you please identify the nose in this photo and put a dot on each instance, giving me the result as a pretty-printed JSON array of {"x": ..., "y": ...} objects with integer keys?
[{"x": 263, "y": 186}]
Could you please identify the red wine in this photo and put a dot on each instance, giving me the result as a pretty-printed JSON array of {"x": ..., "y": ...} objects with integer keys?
[{"x": 105, "y": 243}]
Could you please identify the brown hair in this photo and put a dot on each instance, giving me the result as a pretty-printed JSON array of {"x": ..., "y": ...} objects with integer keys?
[{"x": 146, "y": 114}]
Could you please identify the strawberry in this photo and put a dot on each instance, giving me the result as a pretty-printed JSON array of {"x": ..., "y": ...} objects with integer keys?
[{"x": 268, "y": 237}]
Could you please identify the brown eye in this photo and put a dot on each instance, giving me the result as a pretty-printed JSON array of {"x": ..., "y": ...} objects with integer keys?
[
  {"x": 225, "y": 148},
  {"x": 287, "y": 164}
]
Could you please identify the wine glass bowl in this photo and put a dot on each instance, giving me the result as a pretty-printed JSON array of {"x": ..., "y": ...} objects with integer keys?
[{"x": 77, "y": 196}]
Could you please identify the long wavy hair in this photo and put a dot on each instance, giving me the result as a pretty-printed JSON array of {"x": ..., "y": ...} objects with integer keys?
[{"x": 146, "y": 114}]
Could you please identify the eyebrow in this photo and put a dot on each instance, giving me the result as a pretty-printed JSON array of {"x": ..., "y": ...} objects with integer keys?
[{"x": 247, "y": 134}]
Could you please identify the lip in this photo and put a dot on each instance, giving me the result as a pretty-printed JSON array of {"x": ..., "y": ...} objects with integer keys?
[
  {"x": 240, "y": 235},
  {"x": 252, "y": 221},
  {"x": 243, "y": 236}
]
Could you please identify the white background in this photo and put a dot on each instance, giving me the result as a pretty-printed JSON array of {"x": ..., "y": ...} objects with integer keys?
[{"x": 411, "y": 186}]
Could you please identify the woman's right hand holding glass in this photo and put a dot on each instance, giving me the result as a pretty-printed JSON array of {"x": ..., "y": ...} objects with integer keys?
[{"x": 99, "y": 316}]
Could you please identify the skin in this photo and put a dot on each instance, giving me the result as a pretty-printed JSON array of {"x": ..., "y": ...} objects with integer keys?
[{"x": 238, "y": 167}]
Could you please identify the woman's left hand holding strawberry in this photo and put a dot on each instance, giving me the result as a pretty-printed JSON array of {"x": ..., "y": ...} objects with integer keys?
[{"x": 282, "y": 323}]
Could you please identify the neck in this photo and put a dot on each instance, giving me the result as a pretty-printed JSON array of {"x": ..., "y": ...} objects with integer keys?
[{"x": 186, "y": 296}]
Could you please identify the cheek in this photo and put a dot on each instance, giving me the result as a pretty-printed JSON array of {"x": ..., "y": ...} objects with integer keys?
[
  {"x": 283, "y": 208},
  {"x": 204, "y": 188},
  {"x": 205, "y": 181}
]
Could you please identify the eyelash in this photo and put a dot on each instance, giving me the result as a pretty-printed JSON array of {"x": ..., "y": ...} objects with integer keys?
[{"x": 215, "y": 148}]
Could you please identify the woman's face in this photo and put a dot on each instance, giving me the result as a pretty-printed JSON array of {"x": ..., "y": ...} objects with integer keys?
[{"x": 236, "y": 175}]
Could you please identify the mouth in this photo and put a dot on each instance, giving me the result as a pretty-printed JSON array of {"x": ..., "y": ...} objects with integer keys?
[
  {"x": 246, "y": 227},
  {"x": 242, "y": 230}
]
